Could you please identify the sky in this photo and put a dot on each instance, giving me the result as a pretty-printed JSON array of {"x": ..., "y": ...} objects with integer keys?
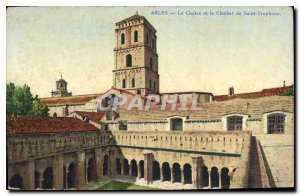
[{"x": 206, "y": 53}]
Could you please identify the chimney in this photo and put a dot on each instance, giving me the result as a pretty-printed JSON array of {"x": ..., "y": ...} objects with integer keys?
[
  {"x": 66, "y": 110},
  {"x": 231, "y": 91},
  {"x": 284, "y": 83}
]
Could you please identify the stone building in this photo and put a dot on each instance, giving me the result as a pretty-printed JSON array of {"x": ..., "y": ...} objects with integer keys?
[
  {"x": 232, "y": 141},
  {"x": 61, "y": 89}
]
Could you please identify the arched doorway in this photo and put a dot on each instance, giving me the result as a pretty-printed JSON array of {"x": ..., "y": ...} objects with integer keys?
[
  {"x": 225, "y": 179},
  {"x": 214, "y": 177},
  {"x": 187, "y": 173},
  {"x": 141, "y": 168},
  {"x": 133, "y": 168},
  {"x": 176, "y": 172},
  {"x": 48, "y": 179},
  {"x": 71, "y": 175},
  {"x": 156, "y": 170},
  {"x": 126, "y": 167},
  {"x": 105, "y": 165},
  {"x": 205, "y": 177},
  {"x": 16, "y": 182},
  {"x": 118, "y": 166},
  {"x": 91, "y": 170},
  {"x": 166, "y": 171}
]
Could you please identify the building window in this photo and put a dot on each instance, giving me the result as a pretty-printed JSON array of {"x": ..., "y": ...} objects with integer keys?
[
  {"x": 151, "y": 63},
  {"x": 150, "y": 84},
  {"x": 123, "y": 83},
  {"x": 276, "y": 123},
  {"x": 133, "y": 82},
  {"x": 153, "y": 44},
  {"x": 234, "y": 123},
  {"x": 147, "y": 37},
  {"x": 176, "y": 124},
  {"x": 129, "y": 60},
  {"x": 122, "y": 38},
  {"x": 104, "y": 127},
  {"x": 154, "y": 85},
  {"x": 122, "y": 127},
  {"x": 136, "y": 36}
]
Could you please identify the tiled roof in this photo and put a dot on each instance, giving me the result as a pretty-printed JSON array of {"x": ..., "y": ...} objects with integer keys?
[
  {"x": 72, "y": 100},
  {"x": 186, "y": 92},
  {"x": 45, "y": 124},
  {"x": 132, "y": 18},
  {"x": 94, "y": 116},
  {"x": 214, "y": 110},
  {"x": 254, "y": 95}
]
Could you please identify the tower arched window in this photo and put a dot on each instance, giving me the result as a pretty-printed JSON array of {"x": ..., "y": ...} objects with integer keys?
[
  {"x": 133, "y": 82},
  {"x": 150, "y": 84},
  {"x": 129, "y": 60},
  {"x": 123, "y": 83},
  {"x": 276, "y": 123},
  {"x": 122, "y": 38},
  {"x": 147, "y": 38},
  {"x": 153, "y": 44},
  {"x": 154, "y": 85},
  {"x": 136, "y": 36},
  {"x": 151, "y": 63}
]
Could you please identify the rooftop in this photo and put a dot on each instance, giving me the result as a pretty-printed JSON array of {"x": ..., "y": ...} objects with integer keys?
[
  {"x": 45, "y": 124},
  {"x": 254, "y": 95},
  {"x": 72, "y": 100}
]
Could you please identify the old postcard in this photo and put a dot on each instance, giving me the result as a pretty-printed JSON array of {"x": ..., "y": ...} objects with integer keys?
[{"x": 150, "y": 98}]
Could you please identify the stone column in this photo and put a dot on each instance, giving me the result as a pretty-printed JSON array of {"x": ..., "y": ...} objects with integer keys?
[
  {"x": 182, "y": 176},
  {"x": 99, "y": 163},
  {"x": 161, "y": 174},
  {"x": 209, "y": 179},
  {"x": 80, "y": 169},
  {"x": 138, "y": 171},
  {"x": 58, "y": 172},
  {"x": 122, "y": 167},
  {"x": 172, "y": 174},
  {"x": 148, "y": 162},
  {"x": 29, "y": 173},
  {"x": 66, "y": 179},
  {"x": 130, "y": 169},
  {"x": 41, "y": 179},
  {"x": 220, "y": 180},
  {"x": 112, "y": 165},
  {"x": 86, "y": 171}
]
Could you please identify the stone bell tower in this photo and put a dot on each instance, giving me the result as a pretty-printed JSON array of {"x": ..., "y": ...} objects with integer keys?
[
  {"x": 61, "y": 89},
  {"x": 136, "y": 59}
]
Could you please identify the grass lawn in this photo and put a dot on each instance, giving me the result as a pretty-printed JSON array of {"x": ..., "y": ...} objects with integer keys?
[{"x": 116, "y": 185}]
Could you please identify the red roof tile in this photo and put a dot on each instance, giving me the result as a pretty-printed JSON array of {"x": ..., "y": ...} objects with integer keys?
[
  {"x": 254, "y": 95},
  {"x": 45, "y": 124},
  {"x": 72, "y": 100}
]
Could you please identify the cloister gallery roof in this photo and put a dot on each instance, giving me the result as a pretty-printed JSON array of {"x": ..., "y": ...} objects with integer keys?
[
  {"x": 72, "y": 100},
  {"x": 215, "y": 110},
  {"x": 45, "y": 124},
  {"x": 83, "y": 99},
  {"x": 254, "y": 95}
]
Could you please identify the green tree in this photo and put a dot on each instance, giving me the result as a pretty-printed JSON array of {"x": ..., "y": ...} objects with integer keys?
[
  {"x": 289, "y": 92},
  {"x": 20, "y": 101}
]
